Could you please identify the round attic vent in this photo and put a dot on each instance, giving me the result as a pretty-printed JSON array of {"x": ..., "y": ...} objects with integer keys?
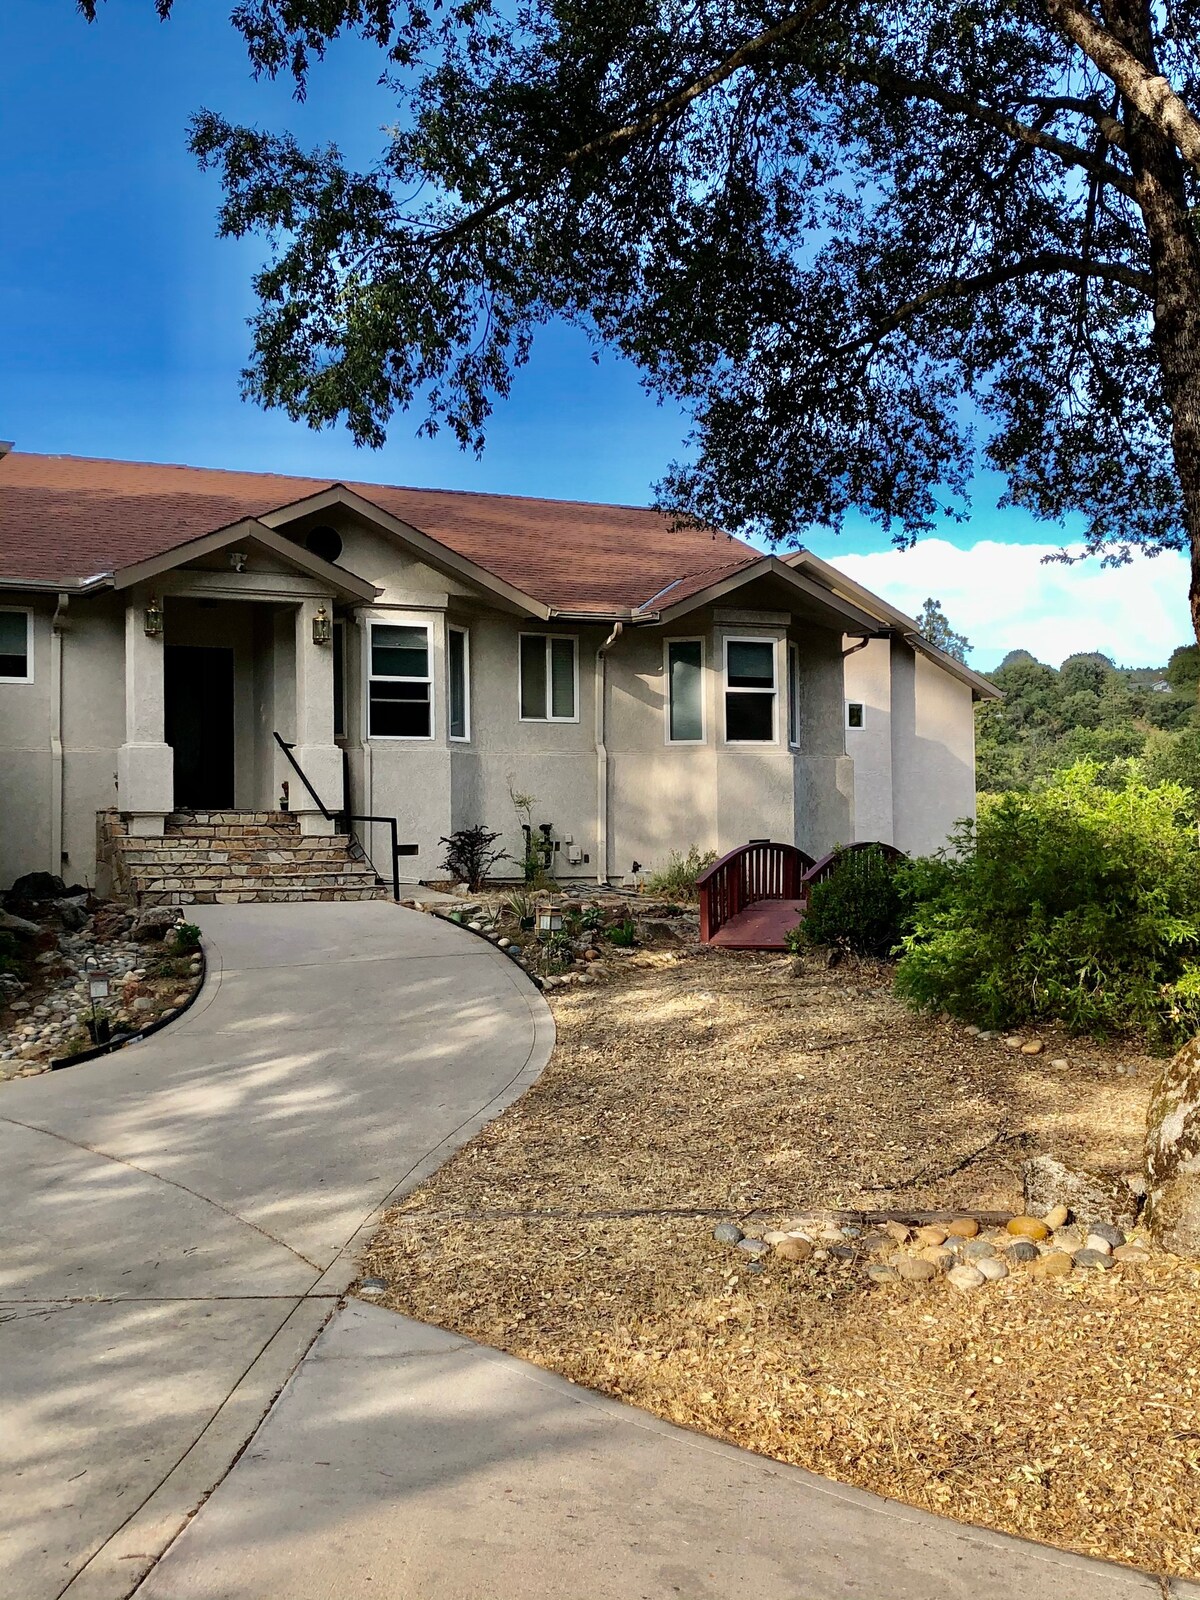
[{"x": 325, "y": 542}]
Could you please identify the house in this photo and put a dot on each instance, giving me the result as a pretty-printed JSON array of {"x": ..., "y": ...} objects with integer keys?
[{"x": 178, "y": 640}]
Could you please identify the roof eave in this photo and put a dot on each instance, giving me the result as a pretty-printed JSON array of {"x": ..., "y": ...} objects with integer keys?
[
  {"x": 342, "y": 582},
  {"x": 849, "y": 617}
]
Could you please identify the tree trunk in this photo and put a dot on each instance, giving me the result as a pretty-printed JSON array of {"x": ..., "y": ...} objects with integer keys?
[{"x": 1159, "y": 188}]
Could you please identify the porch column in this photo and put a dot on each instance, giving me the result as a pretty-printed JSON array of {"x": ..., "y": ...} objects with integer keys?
[
  {"x": 145, "y": 762},
  {"x": 315, "y": 749}
]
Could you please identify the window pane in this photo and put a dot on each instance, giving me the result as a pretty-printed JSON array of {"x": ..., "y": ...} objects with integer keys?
[
  {"x": 750, "y": 717},
  {"x": 458, "y": 684},
  {"x": 751, "y": 664},
  {"x": 400, "y": 710},
  {"x": 685, "y": 689},
  {"x": 854, "y": 715},
  {"x": 562, "y": 677},
  {"x": 14, "y": 659},
  {"x": 399, "y": 652},
  {"x": 533, "y": 676}
]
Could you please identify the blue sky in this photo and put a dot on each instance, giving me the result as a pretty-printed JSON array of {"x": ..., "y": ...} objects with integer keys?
[{"x": 125, "y": 327}]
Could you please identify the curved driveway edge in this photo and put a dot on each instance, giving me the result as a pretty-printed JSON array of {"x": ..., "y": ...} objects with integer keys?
[
  {"x": 403, "y": 1462},
  {"x": 178, "y": 1220}
]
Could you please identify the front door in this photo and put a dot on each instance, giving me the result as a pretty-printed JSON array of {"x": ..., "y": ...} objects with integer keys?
[{"x": 198, "y": 682}]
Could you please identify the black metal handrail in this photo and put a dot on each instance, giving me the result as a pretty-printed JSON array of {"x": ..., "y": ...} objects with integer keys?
[{"x": 340, "y": 818}]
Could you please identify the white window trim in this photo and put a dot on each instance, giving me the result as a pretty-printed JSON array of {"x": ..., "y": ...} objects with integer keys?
[
  {"x": 378, "y": 677},
  {"x": 574, "y": 638},
  {"x": 751, "y": 638},
  {"x": 459, "y": 738},
  {"x": 667, "y": 643},
  {"x": 22, "y": 611},
  {"x": 856, "y": 727},
  {"x": 793, "y": 695}
]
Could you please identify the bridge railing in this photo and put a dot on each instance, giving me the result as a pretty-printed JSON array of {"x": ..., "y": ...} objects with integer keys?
[{"x": 760, "y": 870}]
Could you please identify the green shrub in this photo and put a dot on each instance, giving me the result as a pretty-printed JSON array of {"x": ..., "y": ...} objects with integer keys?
[
  {"x": 677, "y": 880},
  {"x": 859, "y": 907},
  {"x": 185, "y": 937},
  {"x": 622, "y": 934},
  {"x": 1076, "y": 902},
  {"x": 11, "y": 959}
]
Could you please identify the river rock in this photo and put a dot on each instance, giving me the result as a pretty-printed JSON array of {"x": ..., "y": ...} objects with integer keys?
[
  {"x": 965, "y": 1278},
  {"x": 154, "y": 923},
  {"x": 1095, "y": 1241},
  {"x": 1056, "y": 1217},
  {"x": 913, "y": 1270},
  {"x": 728, "y": 1233},
  {"x": 1099, "y": 1197},
  {"x": 790, "y": 1248},
  {"x": 991, "y": 1268},
  {"x": 1022, "y": 1250},
  {"x": 962, "y": 1228},
  {"x": 1093, "y": 1258},
  {"x": 1058, "y": 1264},
  {"x": 1131, "y": 1255},
  {"x": 880, "y": 1272},
  {"x": 976, "y": 1250},
  {"x": 931, "y": 1234},
  {"x": 1111, "y": 1235},
  {"x": 1028, "y": 1228}
]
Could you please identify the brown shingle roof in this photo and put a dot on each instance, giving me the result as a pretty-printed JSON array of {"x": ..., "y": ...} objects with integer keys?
[{"x": 65, "y": 518}]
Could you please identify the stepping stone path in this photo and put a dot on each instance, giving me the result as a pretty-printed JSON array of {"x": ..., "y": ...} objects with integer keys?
[{"x": 971, "y": 1253}]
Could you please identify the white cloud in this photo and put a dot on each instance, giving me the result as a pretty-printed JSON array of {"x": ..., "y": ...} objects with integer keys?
[{"x": 1004, "y": 598}]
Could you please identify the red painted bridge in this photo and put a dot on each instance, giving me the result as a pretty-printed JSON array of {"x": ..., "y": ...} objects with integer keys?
[{"x": 752, "y": 898}]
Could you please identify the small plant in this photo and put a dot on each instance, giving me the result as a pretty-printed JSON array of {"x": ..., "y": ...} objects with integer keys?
[
  {"x": 677, "y": 880},
  {"x": 185, "y": 938},
  {"x": 591, "y": 920},
  {"x": 622, "y": 934},
  {"x": 469, "y": 855},
  {"x": 520, "y": 907}
]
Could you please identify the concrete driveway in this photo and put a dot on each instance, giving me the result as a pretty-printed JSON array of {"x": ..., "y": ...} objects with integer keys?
[{"x": 178, "y": 1220}]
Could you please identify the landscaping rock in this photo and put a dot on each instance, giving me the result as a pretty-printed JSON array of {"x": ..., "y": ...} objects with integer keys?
[
  {"x": 898, "y": 1232},
  {"x": 931, "y": 1234},
  {"x": 1112, "y": 1235},
  {"x": 1022, "y": 1250},
  {"x": 1096, "y": 1196},
  {"x": 154, "y": 924},
  {"x": 792, "y": 1249},
  {"x": 38, "y": 886},
  {"x": 11, "y": 988},
  {"x": 1057, "y": 1264},
  {"x": 753, "y": 1247},
  {"x": 1032, "y": 1047},
  {"x": 1131, "y": 1255},
  {"x": 18, "y": 925},
  {"x": 1056, "y": 1217},
  {"x": 728, "y": 1233},
  {"x": 1028, "y": 1228},
  {"x": 965, "y": 1278},
  {"x": 1068, "y": 1239},
  {"x": 1092, "y": 1258},
  {"x": 962, "y": 1228},
  {"x": 1173, "y": 1154},
  {"x": 912, "y": 1269},
  {"x": 880, "y": 1272},
  {"x": 1095, "y": 1242},
  {"x": 941, "y": 1258},
  {"x": 976, "y": 1250},
  {"x": 992, "y": 1268},
  {"x": 1060, "y": 1063}
]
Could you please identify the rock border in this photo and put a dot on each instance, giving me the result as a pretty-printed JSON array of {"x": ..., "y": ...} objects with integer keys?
[{"x": 58, "y": 1063}]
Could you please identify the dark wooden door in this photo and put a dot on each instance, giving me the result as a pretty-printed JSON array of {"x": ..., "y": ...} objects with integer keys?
[{"x": 199, "y": 725}]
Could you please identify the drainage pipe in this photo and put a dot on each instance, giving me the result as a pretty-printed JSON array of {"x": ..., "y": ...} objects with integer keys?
[
  {"x": 601, "y": 682},
  {"x": 58, "y": 626}
]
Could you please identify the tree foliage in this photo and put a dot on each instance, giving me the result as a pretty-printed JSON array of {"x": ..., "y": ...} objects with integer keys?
[
  {"x": 837, "y": 234},
  {"x": 935, "y": 626}
]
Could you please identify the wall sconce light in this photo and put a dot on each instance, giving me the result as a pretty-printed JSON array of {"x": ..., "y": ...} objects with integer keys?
[
  {"x": 322, "y": 627},
  {"x": 238, "y": 560},
  {"x": 153, "y": 620}
]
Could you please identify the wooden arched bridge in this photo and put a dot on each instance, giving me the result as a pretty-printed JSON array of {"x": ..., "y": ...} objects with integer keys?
[{"x": 752, "y": 898}]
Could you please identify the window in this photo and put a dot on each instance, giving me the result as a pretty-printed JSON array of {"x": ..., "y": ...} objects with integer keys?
[
  {"x": 339, "y": 680},
  {"x": 685, "y": 691},
  {"x": 16, "y": 646},
  {"x": 793, "y": 695},
  {"x": 854, "y": 714},
  {"x": 548, "y": 678},
  {"x": 750, "y": 691},
  {"x": 458, "y": 662},
  {"x": 400, "y": 704}
]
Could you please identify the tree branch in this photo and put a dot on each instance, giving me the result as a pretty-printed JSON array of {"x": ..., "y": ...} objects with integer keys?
[
  {"x": 1072, "y": 155},
  {"x": 1044, "y": 262},
  {"x": 1147, "y": 92}
]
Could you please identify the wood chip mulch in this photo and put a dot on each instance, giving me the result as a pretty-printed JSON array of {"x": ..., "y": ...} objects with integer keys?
[{"x": 696, "y": 1086}]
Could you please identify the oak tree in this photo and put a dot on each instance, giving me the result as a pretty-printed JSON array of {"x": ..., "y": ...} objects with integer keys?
[{"x": 847, "y": 236}]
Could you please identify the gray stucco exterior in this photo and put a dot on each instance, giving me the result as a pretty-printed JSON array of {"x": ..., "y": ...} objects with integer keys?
[{"x": 89, "y": 730}]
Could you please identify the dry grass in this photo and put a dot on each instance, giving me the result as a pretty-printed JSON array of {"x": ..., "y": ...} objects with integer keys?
[{"x": 575, "y": 1232}]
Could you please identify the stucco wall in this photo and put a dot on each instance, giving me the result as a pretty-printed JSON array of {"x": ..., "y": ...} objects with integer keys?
[
  {"x": 869, "y": 683},
  {"x": 933, "y": 752},
  {"x": 25, "y": 763}
]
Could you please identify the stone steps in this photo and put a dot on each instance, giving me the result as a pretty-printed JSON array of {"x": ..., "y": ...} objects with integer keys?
[{"x": 231, "y": 857}]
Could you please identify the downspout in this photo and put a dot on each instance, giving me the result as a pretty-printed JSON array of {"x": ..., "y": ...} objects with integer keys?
[
  {"x": 57, "y": 628},
  {"x": 601, "y": 681}
]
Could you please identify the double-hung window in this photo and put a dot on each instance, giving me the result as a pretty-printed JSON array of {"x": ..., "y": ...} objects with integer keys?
[
  {"x": 399, "y": 700},
  {"x": 793, "y": 695},
  {"x": 750, "y": 691},
  {"x": 685, "y": 691},
  {"x": 458, "y": 670},
  {"x": 16, "y": 646},
  {"x": 549, "y": 687}
]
